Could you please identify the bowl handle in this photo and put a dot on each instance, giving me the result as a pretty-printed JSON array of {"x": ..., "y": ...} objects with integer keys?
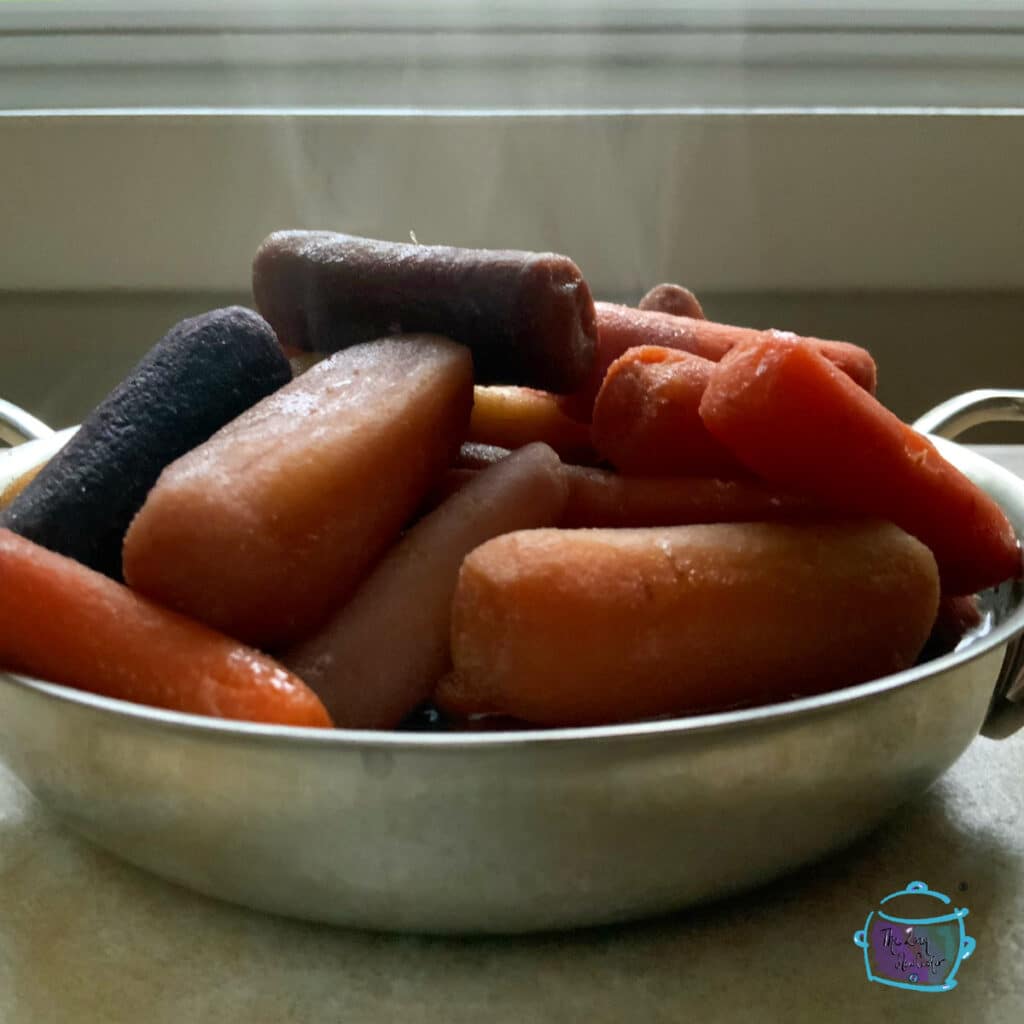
[
  {"x": 17, "y": 426},
  {"x": 860, "y": 939},
  {"x": 951, "y": 419},
  {"x": 967, "y": 947},
  {"x": 987, "y": 405}
]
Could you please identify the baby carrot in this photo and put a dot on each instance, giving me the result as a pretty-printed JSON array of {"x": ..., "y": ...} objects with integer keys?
[
  {"x": 511, "y": 417},
  {"x": 796, "y": 421},
  {"x": 620, "y": 328},
  {"x": 598, "y": 498},
  {"x": 672, "y": 298},
  {"x": 69, "y": 624},
  {"x": 268, "y": 527},
  {"x": 370, "y": 674},
  {"x": 575, "y": 627},
  {"x": 18, "y": 484},
  {"x": 647, "y": 419}
]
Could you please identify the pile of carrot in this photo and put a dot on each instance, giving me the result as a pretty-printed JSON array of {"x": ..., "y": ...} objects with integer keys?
[{"x": 708, "y": 517}]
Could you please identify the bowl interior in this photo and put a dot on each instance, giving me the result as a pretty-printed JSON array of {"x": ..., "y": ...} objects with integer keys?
[{"x": 1002, "y": 618}]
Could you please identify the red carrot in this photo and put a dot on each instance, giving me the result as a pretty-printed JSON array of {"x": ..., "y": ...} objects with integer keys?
[
  {"x": 598, "y": 498},
  {"x": 620, "y": 328},
  {"x": 672, "y": 298},
  {"x": 69, "y": 624},
  {"x": 797, "y": 421},
  {"x": 647, "y": 419}
]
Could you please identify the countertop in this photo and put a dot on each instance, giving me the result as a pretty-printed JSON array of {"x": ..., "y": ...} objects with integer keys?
[{"x": 86, "y": 938}]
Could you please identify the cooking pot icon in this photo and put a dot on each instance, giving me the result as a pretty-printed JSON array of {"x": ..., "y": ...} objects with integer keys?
[{"x": 920, "y": 951}]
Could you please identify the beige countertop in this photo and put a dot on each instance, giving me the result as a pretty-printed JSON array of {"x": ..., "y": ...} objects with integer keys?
[{"x": 85, "y": 938}]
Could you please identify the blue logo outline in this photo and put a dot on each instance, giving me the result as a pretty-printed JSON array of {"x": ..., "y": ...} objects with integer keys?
[{"x": 965, "y": 946}]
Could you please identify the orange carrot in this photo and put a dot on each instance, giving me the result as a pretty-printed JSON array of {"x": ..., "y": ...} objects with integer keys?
[
  {"x": 269, "y": 526},
  {"x": 68, "y": 624},
  {"x": 796, "y": 421},
  {"x": 573, "y": 627},
  {"x": 620, "y": 328},
  {"x": 599, "y": 498},
  {"x": 511, "y": 417},
  {"x": 647, "y": 420},
  {"x": 674, "y": 299},
  {"x": 18, "y": 484}
]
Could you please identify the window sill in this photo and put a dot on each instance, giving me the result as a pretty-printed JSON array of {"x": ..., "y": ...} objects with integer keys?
[{"x": 178, "y": 201}]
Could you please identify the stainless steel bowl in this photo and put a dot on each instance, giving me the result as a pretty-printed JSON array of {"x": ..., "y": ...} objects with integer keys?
[{"x": 509, "y": 832}]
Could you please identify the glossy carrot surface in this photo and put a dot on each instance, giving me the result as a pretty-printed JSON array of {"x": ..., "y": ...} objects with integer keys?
[
  {"x": 647, "y": 417},
  {"x": 794, "y": 419},
  {"x": 570, "y": 627},
  {"x": 69, "y": 624},
  {"x": 620, "y": 328},
  {"x": 598, "y": 498},
  {"x": 268, "y": 527},
  {"x": 370, "y": 674},
  {"x": 511, "y": 417}
]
